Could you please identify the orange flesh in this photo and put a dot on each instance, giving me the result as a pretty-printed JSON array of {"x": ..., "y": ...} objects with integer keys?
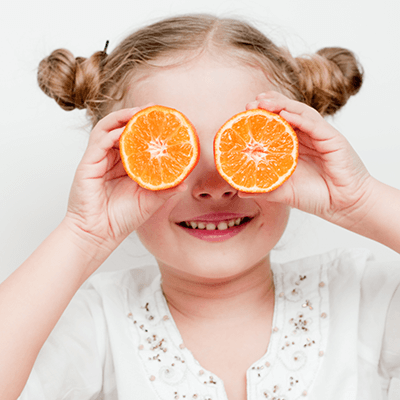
[
  {"x": 256, "y": 151},
  {"x": 159, "y": 149}
]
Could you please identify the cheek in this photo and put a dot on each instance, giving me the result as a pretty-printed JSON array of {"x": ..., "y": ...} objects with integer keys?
[
  {"x": 169, "y": 247},
  {"x": 145, "y": 236},
  {"x": 158, "y": 234},
  {"x": 153, "y": 232},
  {"x": 274, "y": 221}
]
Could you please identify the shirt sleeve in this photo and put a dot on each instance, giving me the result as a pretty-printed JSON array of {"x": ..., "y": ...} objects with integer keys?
[
  {"x": 69, "y": 365},
  {"x": 390, "y": 356}
]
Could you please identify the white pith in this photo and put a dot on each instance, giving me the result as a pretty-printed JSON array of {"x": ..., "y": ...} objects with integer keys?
[
  {"x": 255, "y": 152},
  {"x": 158, "y": 149}
]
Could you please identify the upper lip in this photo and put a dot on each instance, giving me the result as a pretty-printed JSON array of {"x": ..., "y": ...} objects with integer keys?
[{"x": 217, "y": 217}]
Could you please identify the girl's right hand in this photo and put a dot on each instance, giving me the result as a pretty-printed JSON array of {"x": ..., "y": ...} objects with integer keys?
[{"x": 105, "y": 205}]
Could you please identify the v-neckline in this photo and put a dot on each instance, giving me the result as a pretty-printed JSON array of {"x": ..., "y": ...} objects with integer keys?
[
  {"x": 298, "y": 338},
  {"x": 173, "y": 331}
]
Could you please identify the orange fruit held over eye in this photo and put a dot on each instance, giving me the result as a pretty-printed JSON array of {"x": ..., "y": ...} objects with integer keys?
[
  {"x": 256, "y": 151},
  {"x": 159, "y": 148}
]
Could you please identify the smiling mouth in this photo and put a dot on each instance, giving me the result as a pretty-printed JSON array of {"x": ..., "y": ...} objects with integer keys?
[{"x": 211, "y": 226}]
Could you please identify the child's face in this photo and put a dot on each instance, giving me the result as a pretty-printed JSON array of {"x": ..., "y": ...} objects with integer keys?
[{"x": 208, "y": 93}]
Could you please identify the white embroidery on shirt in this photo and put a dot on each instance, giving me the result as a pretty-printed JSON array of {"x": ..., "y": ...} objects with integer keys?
[{"x": 285, "y": 372}]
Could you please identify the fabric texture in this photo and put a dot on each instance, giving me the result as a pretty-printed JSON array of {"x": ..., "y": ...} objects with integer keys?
[{"x": 335, "y": 335}]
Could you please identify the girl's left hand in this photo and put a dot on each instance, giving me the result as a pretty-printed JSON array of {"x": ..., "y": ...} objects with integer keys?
[{"x": 330, "y": 180}]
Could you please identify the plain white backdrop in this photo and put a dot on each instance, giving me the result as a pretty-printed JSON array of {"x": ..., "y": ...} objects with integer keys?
[{"x": 41, "y": 144}]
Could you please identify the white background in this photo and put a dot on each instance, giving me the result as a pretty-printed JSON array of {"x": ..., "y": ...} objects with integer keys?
[{"x": 41, "y": 144}]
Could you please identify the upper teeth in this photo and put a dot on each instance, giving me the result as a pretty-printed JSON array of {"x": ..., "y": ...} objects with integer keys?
[{"x": 211, "y": 226}]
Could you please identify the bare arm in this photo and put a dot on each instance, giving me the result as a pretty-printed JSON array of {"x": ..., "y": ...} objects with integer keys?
[
  {"x": 379, "y": 219},
  {"x": 330, "y": 180},
  {"x": 33, "y": 299},
  {"x": 104, "y": 207}
]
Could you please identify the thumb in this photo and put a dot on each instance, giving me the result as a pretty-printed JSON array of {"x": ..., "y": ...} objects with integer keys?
[
  {"x": 168, "y": 193},
  {"x": 278, "y": 195}
]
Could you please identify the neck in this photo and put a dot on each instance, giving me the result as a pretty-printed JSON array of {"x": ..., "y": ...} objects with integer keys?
[{"x": 247, "y": 294}]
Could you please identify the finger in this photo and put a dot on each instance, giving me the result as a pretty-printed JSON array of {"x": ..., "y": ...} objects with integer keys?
[
  {"x": 305, "y": 140},
  {"x": 279, "y": 195},
  {"x": 252, "y": 105},
  {"x": 107, "y": 132},
  {"x": 299, "y": 115},
  {"x": 167, "y": 193},
  {"x": 115, "y": 120},
  {"x": 317, "y": 128},
  {"x": 115, "y": 169},
  {"x": 278, "y": 102},
  {"x": 99, "y": 147},
  {"x": 164, "y": 196},
  {"x": 113, "y": 124}
]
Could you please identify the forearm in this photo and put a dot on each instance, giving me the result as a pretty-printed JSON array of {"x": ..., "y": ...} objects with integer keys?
[
  {"x": 379, "y": 218},
  {"x": 33, "y": 299}
]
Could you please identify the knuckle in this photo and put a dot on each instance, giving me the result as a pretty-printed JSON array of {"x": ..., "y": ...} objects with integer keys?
[
  {"x": 252, "y": 104},
  {"x": 314, "y": 113},
  {"x": 314, "y": 125},
  {"x": 277, "y": 95},
  {"x": 267, "y": 94}
]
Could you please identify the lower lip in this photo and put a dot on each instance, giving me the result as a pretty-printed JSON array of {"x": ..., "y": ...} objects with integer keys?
[{"x": 216, "y": 235}]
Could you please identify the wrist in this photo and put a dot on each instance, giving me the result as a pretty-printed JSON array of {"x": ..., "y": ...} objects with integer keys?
[
  {"x": 357, "y": 207},
  {"x": 90, "y": 249},
  {"x": 376, "y": 216}
]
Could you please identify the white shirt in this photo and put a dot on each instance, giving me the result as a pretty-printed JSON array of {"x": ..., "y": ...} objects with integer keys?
[{"x": 336, "y": 335}]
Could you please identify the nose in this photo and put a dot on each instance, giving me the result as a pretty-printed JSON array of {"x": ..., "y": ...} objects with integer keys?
[
  {"x": 213, "y": 187},
  {"x": 207, "y": 183}
]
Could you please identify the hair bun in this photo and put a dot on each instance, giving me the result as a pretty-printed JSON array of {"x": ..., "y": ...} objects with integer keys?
[
  {"x": 348, "y": 65},
  {"x": 328, "y": 78},
  {"x": 71, "y": 82}
]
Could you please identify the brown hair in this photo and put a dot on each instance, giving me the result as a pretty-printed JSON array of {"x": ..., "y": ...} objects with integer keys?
[{"x": 324, "y": 81}]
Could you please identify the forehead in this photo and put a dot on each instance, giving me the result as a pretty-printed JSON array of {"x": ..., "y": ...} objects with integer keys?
[{"x": 206, "y": 90}]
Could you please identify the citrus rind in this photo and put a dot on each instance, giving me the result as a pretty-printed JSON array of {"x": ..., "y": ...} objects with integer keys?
[
  {"x": 251, "y": 167},
  {"x": 191, "y": 142}
]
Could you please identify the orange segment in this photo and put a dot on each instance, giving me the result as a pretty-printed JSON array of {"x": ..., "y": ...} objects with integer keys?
[
  {"x": 159, "y": 148},
  {"x": 256, "y": 151}
]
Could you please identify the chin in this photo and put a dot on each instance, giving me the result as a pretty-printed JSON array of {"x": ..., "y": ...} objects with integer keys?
[
  {"x": 190, "y": 257},
  {"x": 210, "y": 267}
]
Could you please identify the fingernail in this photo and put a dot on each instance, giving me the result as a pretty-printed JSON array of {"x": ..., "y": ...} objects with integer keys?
[
  {"x": 245, "y": 195},
  {"x": 252, "y": 105},
  {"x": 181, "y": 187}
]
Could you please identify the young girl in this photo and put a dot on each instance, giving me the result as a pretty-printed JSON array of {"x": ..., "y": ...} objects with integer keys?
[{"x": 215, "y": 319}]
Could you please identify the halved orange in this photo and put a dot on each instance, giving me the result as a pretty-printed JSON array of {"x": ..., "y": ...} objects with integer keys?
[
  {"x": 256, "y": 151},
  {"x": 159, "y": 147}
]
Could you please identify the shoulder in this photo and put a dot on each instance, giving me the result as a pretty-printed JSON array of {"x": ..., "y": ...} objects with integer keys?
[
  {"x": 134, "y": 279},
  {"x": 102, "y": 303},
  {"x": 362, "y": 296},
  {"x": 108, "y": 293},
  {"x": 338, "y": 265},
  {"x": 104, "y": 293},
  {"x": 356, "y": 287},
  {"x": 341, "y": 264}
]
